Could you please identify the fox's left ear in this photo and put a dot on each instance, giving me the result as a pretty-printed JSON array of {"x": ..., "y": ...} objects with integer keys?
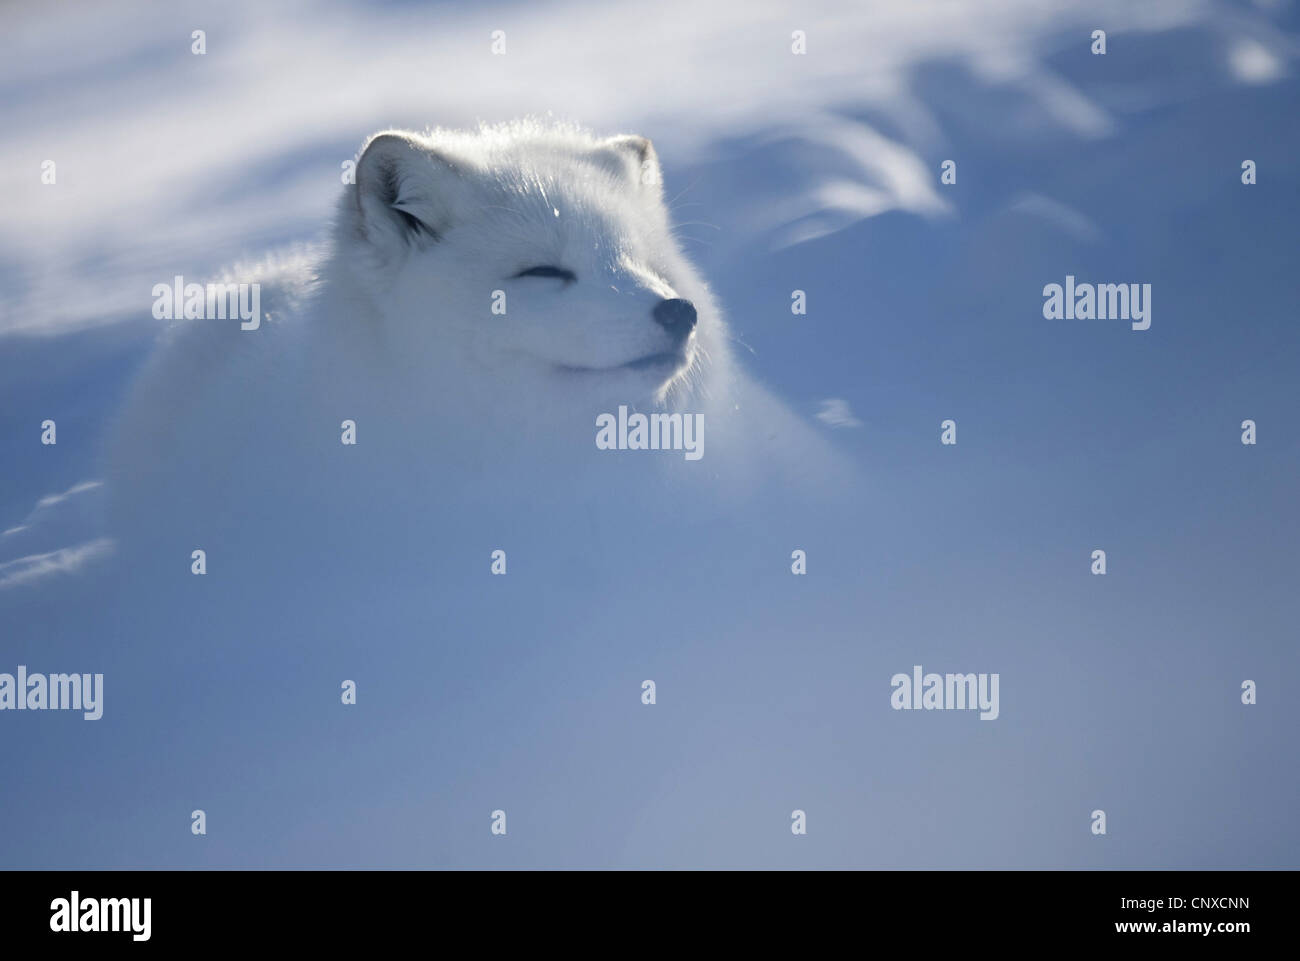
[
  {"x": 405, "y": 192},
  {"x": 635, "y": 158}
]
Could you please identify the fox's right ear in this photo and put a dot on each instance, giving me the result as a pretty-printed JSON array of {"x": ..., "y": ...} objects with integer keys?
[
  {"x": 404, "y": 189},
  {"x": 635, "y": 158}
]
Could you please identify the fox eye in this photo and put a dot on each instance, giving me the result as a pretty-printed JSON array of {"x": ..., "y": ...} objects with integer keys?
[{"x": 567, "y": 276}]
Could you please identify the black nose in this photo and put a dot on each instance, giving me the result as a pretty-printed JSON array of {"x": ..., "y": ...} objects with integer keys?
[{"x": 677, "y": 316}]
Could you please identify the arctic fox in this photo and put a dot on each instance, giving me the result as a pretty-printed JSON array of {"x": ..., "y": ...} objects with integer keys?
[{"x": 487, "y": 300}]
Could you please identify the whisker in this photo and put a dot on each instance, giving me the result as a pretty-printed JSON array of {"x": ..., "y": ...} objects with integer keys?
[{"x": 682, "y": 191}]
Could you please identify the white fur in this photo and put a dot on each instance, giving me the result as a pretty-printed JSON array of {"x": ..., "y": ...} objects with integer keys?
[{"x": 393, "y": 328}]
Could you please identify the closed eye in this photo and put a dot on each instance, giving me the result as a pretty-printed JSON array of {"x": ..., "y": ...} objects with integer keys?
[{"x": 568, "y": 276}]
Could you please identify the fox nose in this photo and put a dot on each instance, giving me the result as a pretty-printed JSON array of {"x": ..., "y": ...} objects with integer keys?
[{"x": 677, "y": 316}]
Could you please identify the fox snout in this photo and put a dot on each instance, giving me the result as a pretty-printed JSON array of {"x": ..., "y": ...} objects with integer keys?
[{"x": 677, "y": 316}]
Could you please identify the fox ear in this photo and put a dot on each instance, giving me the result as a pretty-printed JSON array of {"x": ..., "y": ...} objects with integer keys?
[
  {"x": 404, "y": 191},
  {"x": 635, "y": 158}
]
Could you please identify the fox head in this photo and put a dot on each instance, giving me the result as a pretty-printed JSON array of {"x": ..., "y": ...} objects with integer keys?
[{"x": 532, "y": 252}]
